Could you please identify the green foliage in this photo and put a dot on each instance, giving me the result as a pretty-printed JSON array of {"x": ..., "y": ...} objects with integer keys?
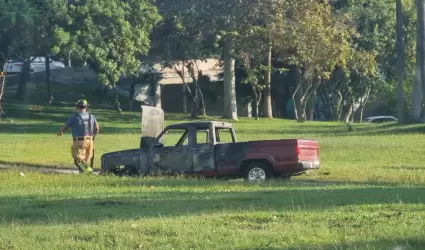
[
  {"x": 111, "y": 35},
  {"x": 372, "y": 66},
  {"x": 387, "y": 53},
  {"x": 320, "y": 40},
  {"x": 182, "y": 35},
  {"x": 32, "y": 27},
  {"x": 19, "y": 22},
  {"x": 355, "y": 37}
]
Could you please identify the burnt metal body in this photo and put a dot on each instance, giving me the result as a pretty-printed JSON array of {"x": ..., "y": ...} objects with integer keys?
[{"x": 200, "y": 148}]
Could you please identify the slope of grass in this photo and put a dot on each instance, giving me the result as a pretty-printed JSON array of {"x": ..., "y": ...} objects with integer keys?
[
  {"x": 369, "y": 152},
  {"x": 89, "y": 212},
  {"x": 368, "y": 193}
]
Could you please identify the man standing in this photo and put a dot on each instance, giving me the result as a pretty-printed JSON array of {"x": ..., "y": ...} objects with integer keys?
[{"x": 84, "y": 129}]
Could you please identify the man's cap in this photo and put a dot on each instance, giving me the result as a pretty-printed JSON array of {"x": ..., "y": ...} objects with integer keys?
[{"x": 82, "y": 103}]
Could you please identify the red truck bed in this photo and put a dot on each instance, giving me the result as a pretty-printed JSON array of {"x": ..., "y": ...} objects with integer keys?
[{"x": 283, "y": 157}]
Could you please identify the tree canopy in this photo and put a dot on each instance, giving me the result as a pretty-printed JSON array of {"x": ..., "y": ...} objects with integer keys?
[{"x": 341, "y": 54}]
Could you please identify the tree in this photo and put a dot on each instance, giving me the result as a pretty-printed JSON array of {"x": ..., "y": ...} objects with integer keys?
[
  {"x": 181, "y": 42},
  {"x": 389, "y": 89},
  {"x": 374, "y": 22},
  {"x": 111, "y": 35},
  {"x": 416, "y": 107},
  {"x": 19, "y": 33},
  {"x": 230, "y": 23},
  {"x": 226, "y": 20},
  {"x": 320, "y": 41},
  {"x": 400, "y": 62},
  {"x": 420, "y": 56},
  {"x": 51, "y": 33},
  {"x": 30, "y": 28},
  {"x": 265, "y": 31},
  {"x": 2, "y": 83},
  {"x": 253, "y": 76}
]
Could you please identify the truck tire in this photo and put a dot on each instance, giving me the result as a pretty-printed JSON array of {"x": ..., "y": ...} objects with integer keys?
[
  {"x": 126, "y": 171},
  {"x": 257, "y": 171}
]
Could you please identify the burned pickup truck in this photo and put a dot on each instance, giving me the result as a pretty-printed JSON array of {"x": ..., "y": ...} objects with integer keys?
[{"x": 210, "y": 149}]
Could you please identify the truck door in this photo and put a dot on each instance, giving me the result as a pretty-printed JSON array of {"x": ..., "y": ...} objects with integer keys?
[
  {"x": 202, "y": 152},
  {"x": 174, "y": 155}
]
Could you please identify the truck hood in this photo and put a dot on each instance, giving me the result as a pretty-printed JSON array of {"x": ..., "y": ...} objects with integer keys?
[
  {"x": 136, "y": 158},
  {"x": 125, "y": 152}
]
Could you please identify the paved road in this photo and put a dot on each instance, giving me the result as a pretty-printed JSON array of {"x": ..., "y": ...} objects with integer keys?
[{"x": 44, "y": 170}]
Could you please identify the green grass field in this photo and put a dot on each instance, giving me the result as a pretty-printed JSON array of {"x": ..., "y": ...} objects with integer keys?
[{"x": 368, "y": 194}]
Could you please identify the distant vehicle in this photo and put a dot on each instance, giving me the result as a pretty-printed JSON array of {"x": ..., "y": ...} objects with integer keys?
[
  {"x": 380, "y": 119},
  {"x": 14, "y": 66},
  {"x": 210, "y": 149}
]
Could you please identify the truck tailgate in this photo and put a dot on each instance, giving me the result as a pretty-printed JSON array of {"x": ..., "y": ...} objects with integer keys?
[{"x": 308, "y": 150}]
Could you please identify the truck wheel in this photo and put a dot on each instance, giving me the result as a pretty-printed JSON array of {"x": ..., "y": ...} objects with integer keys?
[
  {"x": 257, "y": 171},
  {"x": 126, "y": 171}
]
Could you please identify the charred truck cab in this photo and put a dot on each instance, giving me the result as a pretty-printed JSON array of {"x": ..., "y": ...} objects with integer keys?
[{"x": 209, "y": 149}]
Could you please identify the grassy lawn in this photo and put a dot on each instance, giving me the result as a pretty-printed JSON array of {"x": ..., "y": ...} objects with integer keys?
[
  {"x": 368, "y": 193},
  {"x": 87, "y": 212}
]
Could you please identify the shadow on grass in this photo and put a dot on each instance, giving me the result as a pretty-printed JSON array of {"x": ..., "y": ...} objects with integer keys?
[
  {"x": 33, "y": 166},
  {"x": 59, "y": 114},
  {"x": 150, "y": 203},
  {"x": 360, "y": 130},
  {"x": 409, "y": 168},
  {"x": 394, "y": 244},
  {"x": 46, "y": 128}
]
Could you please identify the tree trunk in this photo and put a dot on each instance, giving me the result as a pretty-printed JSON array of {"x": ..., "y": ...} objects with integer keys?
[
  {"x": 230, "y": 105},
  {"x": 196, "y": 100},
  {"x": 297, "y": 97},
  {"x": 300, "y": 111},
  {"x": 346, "y": 112},
  {"x": 157, "y": 89},
  {"x": 421, "y": 20},
  {"x": 338, "y": 106},
  {"x": 363, "y": 102},
  {"x": 103, "y": 94},
  {"x": 117, "y": 103},
  {"x": 255, "y": 110},
  {"x": 305, "y": 90},
  {"x": 299, "y": 104},
  {"x": 69, "y": 59},
  {"x": 186, "y": 88},
  {"x": 49, "y": 85},
  {"x": 184, "y": 99},
  {"x": 417, "y": 85},
  {"x": 23, "y": 79},
  {"x": 400, "y": 64},
  {"x": 248, "y": 107},
  {"x": 255, "y": 102},
  {"x": 131, "y": 94},
  {"x": 268, "y": 112},
  {"x": 310, "y": 107},
  {"x": 2, "y": 83},
  {"x": 203, "y": 110}
]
